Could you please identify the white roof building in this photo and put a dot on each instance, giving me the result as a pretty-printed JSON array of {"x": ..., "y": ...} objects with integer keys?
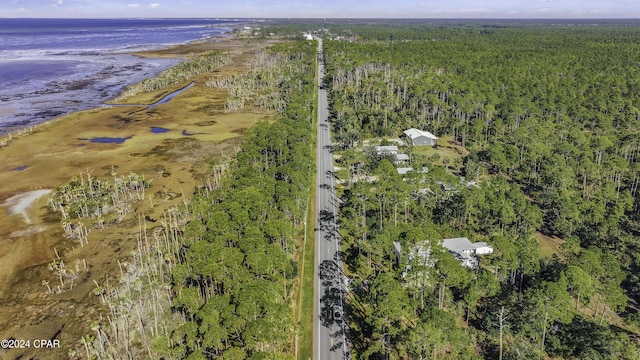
[
  {"x": 421, "y": 137},
  {"x": 465, "y": 251}
]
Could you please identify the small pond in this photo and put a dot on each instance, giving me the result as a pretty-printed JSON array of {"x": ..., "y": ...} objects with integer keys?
[{"x": 159, "y": 130}]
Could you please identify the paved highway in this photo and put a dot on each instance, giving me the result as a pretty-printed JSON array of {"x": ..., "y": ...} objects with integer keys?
[{"x": 329, "y": 319}]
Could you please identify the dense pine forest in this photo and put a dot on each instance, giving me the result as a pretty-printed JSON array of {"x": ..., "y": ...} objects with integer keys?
[
  {"x": 234, "y": 284},
  {"x": 545, "y": 122}
]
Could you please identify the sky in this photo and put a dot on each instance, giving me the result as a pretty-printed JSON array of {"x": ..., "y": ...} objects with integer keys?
[{"x": 322, "y": 8}]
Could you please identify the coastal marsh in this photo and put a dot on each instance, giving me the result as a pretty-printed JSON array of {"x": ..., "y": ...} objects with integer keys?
[{"x": 175, "y": 162}]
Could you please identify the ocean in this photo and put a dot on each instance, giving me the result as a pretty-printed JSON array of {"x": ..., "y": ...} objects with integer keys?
[{"x": 51, "y": 67}]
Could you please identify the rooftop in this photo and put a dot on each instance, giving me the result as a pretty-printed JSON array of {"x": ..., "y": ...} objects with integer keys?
[
  {"x": 457, "y": 244},
  {"x": 402, "y": 157},
  {"x": 389, "y": 148},
  {"x": 414, "y": 133}
]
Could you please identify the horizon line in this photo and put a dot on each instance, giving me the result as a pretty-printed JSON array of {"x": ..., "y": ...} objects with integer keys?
[{"x": 236, "y": 18}]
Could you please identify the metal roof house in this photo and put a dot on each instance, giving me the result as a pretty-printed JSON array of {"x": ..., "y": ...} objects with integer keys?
[
  {"x": 400, "y": 158},
  {"x": 465, "y": 251},
  {"x": 391, "y": 149},
  {"x": 404, "y": 170},
  {"x": 421, "y": 137}
]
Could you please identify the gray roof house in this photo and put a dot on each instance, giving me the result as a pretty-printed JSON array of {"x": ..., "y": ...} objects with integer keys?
[
  {"x": 461, "y": 248},
  {"x": 421, "y": 137},
  {"x": 400, "y": 158},
  {"x": 391, "y": 149},
  {"x": 406, "y": 170},
  {"x": 465, "y": 251}
]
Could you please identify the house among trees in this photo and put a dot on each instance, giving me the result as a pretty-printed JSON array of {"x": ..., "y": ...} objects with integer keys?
[
  {"x": 406, "y": 170},
  {"x": 401, "y": 158},
  {"x": 386, "y": 150},
  {"x": 465, "y": 251},
  {"x": 421, "y": 137},
  {"x": 461, "y": 248}
]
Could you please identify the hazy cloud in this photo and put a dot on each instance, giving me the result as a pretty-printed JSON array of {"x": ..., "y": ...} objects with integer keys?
[
  {"x": 154, "y": 5},
  {"x": 133, "y": 6}
]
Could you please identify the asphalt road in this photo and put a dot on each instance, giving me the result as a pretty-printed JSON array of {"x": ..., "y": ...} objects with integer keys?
[{"x": 329, "y": 319}]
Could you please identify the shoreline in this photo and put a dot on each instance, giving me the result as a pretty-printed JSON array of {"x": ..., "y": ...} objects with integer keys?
[
  {"x": 108, "y": 75},
  {"x": 171, "y": 51}
]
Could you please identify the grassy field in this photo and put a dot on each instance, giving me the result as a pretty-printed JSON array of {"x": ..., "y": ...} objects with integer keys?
[
  {"x": 549, "y": 246},
  {"x": 446, "y": 149},
  {"x": 176, "y": 162},
  {"x": 306, "y": 300}
]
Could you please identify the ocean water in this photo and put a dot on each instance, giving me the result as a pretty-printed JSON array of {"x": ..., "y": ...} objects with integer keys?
[{"x": 51, "y": 67}]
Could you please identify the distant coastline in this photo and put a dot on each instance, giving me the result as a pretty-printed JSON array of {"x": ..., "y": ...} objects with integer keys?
[{"x": 80, "y": 65}]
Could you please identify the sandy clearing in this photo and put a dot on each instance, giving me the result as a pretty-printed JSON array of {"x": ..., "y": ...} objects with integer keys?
[{"x": 19, "y": 204}]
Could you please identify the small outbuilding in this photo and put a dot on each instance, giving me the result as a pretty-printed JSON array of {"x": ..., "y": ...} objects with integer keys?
[
  {"x": 402, "y": 158},
  {"x": 421, "y": 137},
  {"x": 406, "y": 170}
]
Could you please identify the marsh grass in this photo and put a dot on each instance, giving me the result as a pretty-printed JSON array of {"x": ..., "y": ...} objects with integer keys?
[{"x": 54, "y": 153}]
